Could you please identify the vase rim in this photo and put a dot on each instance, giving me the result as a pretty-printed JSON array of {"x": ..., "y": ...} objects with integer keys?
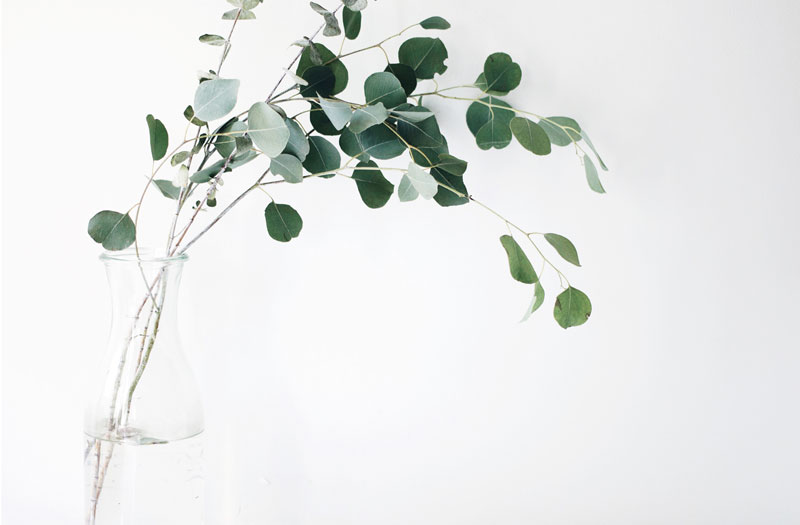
[{"x": 145, "y": 255}]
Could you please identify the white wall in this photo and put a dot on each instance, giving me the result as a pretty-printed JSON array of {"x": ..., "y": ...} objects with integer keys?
[{"x": 373, "y": 371}]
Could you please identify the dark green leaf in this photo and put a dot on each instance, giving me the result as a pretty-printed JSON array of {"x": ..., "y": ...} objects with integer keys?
[
  {"x": 225, "y": 142},
  {"x": 487, "y": 110},
  {"x": 113, "y": 230},
  {"x": 381, "y": 142},
  {"x": 451, "y": 164},
  {"x": 283, "y": 222},
  {"x": 591, "y": 175},
  {"x": 561, "y": 130},
  {"x": 480, "y": 83},
  {"x": 322, "y": 156},
  {"x": 321, "y": 82},
  {"x": 320, "y": 121},
  {"x": 564, "y": 247},
  {"x": 159, "y": 140},
  {"x": 501, "y": 73},
  {"x": 350, "y": 144},
  {"x": 298, "y": 143},
  {"x": 424, "y": 55},
  {"x": 288, "y": 167},
  {"x": 167, "y": 189},
  {"x": 446, "y": 197},
  {"x": 422, "y": 134},
  {"x": 215, "y": 98},
  {"x": 435, "y": 22},
  {"x": 530, "y": 136},
  {"x": 352, "y": 23},
  {"x": 384, "y": 88},
  {"x": 373, "y": 187},
  {"x": 405, "y": 74},
  {"x": 518, "y": 263},
  {"x": 327, "y": 58},
  {"x": 572, "y": 308},
  {"x": 367, "y": 117},
  {"x": 493, "y": 134}
]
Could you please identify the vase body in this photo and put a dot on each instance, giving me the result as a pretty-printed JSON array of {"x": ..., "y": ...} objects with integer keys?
[{"x": 143, "y": 420}]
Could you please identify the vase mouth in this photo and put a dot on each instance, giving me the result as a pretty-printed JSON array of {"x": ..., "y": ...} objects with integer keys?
[{"x": 143, "y": 255}]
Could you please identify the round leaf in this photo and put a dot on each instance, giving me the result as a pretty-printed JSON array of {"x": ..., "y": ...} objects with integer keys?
[
  {"x": 338, "y": 113},
  {"x": 298, "y": 142},
  {"x": 320, "y": 122},
  {"x": 283, "y": 222},
  {"x": 405, "y": 74},
  {"x": 445, "y": 196},
  {"x": 215, "y": 98},
  {"x": 114, "y": 230},
  {"x": 422, "y": 181},
  {"x": 373, "y": 187},
  {"x": 320, "y": 81},
  {"x": 564, "y": 247},
  {"x": 384, "y": 88},
  {"x": 352, "y": 23},
  {"x": 479, "y": 113},
  {"x": 322, "y": 156},
  {"x": 530, "y": 136},
  {"x": 288, "y": 167},
  {"x": 267, "y": 129},
  {"x": 493, "y": 134},
  {"x": 424, "y": 55},
  {"x": 435, "y": 22},
  {"x": 501, "y": 73},
  {"x": 518, "y": 263},
  {"x": 327, "y": 58},
  {"x": 572, "y": 308},
  {"x": 367, "y": 117},
  {"x": 381, "y": 142}
]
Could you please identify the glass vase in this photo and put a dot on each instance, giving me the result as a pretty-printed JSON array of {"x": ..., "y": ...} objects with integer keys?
[{"x": 144, "y": 418}]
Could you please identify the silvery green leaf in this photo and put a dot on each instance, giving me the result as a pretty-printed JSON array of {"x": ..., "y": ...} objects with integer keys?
[
  {"x": 318, "y": 8},
  {"x": 294, "y": 78},
  {"x": 355, "y": 5},
  {"x": 167, "y": 189},
  {"x": 235, "y": 3},
  {"x": 243, "y": 144},
  {"x": 215, "y": 98},
  {"x": 406, "y": 191},
  {"x": 244, "y": 15},
  {"x": 298, "y": 142},
  {"x": 331, "y": 23},
  {"x": 367, "y": 117},
  {"x": 288, "y": 167},
  {"x": 589, "y": 142},
  {"x": 178, "y": 158},
  {"x": 250, "y": 4},
  {"x": 422, "y": 181},
  {"x": 339, "y": 113},
  {"x": 267, "y": 129},
  {"x": 314, "y": 55},
  {"x": 413, "y": 116},
  {"x": 536, "y": 301},
  {"x": 202, "y": 76},
  {"x": 212, "y": 40},
  {"x": 591, "y": 175}
]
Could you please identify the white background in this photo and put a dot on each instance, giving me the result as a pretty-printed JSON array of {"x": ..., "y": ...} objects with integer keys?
[{"x": 373, "y": 370}]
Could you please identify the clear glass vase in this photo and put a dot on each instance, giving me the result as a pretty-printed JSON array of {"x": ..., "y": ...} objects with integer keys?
[{"x": 144, "y": 418}]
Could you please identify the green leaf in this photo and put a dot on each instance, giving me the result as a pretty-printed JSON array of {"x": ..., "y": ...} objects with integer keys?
[
  {"x": 373, "y": 187},
  {"x": 481, "y": 84},
  {"x": 215, "y": 98},
  {"x": 339, "y": 113},
  {"x": 493, "y": 134},
  {"x": 320, "y": 82},
  {"x": 536, "y": 301},
  {"x": 589, "y": 143},
  {"x": 490, "y": 109},
  {"x": 322, "y": 156},
  {"x": 424, "y": 133},
  {"x": 267, "y": 129},
  {"x": 405, "y": 74},
  {"x": 178, "y": 158},
  {"x": 424, "y": 55},
  {"x": 113, "y": 230},
  {"x": 320, "y": 122},
  {"x": 572, "y": 308},
  {"x": 350, "y": 144},
  {"x": 331, "y": 23},
  {"x": 367, "y": 117},
  {"x": 564, "y": 247},
  {"x": 501, "y": 73},
  {"x": 167, "y": 189},
  {"x": 189, "y": 114},
  {"x": 413, "y": 116},
  {"x": 212, "y": 40},
  {"x": 381, "y": 142},
  {"x": 283, "y": 222},
  {"x": 446, "y": 197},
  {"x": 326, "y": 57},
  {"x": 406, "y": 191},
  {"x": 288, "y": 167},
  {"x": 452, "y": 165},
  {"x": 518, "y": 263},
  {"x": 555, "y": 129},
  {"x": 159, "y": 140},
  {"x": 352, "y": 23},
  {"x": 422, "y": 181},
  {"x": 530, "y": 136},
  {"x": 591, "y": 175},
  {"x": 244, "y": 15},
  {"x": 355, "y": 5},
  {"x": 385, "y": 88},
  {"x": 435, "y": 22},
  {"x": 226, "y": 139},
  {"x": 298, "y": 142}
]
